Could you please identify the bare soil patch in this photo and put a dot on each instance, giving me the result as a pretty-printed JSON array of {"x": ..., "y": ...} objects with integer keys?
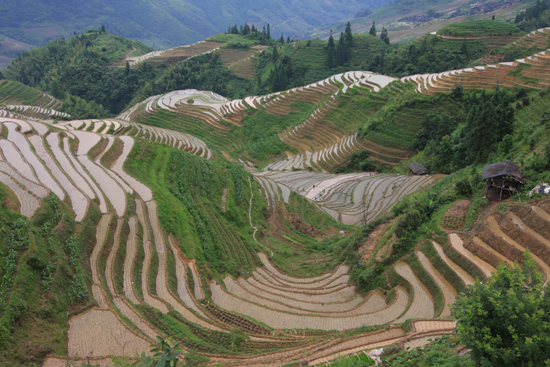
[
  {"x": 455, "y": 217},
  {"x": 367, "y": 247},
  {"x": 11, "y": 201},
  {"x": 224, "y": 199}
]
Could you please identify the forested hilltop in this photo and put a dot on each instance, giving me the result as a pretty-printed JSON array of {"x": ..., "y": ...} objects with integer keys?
[{"x": 259, "y": 200}]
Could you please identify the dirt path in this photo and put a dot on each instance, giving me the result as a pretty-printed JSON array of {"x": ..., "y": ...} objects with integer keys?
[
  {"x": 131, "y": 250},
  {"x": 250, "y": 218},
  {"x": 109, "y": 268},
  {"x": 449, "y": 293}
]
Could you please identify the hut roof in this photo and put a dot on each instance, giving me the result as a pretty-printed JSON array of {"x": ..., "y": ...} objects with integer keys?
[
  {"x": 506, "y": 168},
  {"x": 418, "y": 168}
]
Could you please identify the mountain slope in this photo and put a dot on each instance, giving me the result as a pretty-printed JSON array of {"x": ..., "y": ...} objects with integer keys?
[{"x": 164, "y": 24}]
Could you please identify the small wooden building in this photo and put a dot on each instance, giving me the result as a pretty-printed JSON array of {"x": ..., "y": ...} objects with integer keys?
[
  {"x": 416, "y": 168},
  {"x": 503, "y": 176}
]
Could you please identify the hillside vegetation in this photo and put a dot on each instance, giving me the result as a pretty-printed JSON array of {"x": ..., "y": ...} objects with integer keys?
[{"x": 278, "y": 228}]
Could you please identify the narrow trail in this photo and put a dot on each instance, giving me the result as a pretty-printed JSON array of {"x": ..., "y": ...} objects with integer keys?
[{"x": 250, "y": 218}]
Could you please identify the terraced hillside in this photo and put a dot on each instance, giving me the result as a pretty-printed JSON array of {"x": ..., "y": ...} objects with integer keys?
[
  {"x": 170, "y": 56},
  {"x": 354, "y": 199},
  {"x": 134, "y": 300},
  {"x": 169, "y": 226},
  {"x": 319, "y": 139},
  {"x": 144, "y": 280},
  {"x": 529, "y": 72}
]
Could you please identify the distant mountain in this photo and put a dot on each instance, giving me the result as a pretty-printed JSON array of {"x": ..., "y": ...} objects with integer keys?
[
  {"x": 168, "y": 23},
  {"x": 406, "y": 20}
]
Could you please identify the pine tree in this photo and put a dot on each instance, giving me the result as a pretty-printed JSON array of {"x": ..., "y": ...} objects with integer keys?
[
  {"x": 464, "y": 48},
  {"x": 341, "y": 51},
  {"x": 349, "y": 36},
  {"x": 268, "y": 31},
  {"x": 287, "y": 39},
  {"x": 281, "y": 39},
  {"x": 275, "y": 56},
  {"x": 330, "y": 51},
  {"x": 384, "y": 36},
  {"x": 372, "y": 31}
]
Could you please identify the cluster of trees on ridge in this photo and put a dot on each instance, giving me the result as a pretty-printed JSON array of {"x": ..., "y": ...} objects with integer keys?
[{"x": 534, "y": 17}]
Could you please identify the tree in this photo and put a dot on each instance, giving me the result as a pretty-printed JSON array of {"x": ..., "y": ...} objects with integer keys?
[
  {"x": 268, "y": 34},
  {"x": 372, "y": 31},
  {"x": 275, "y": 56},
  {"x": 162, "y": 355},
  {"x": 349, "y": 36},
  {"x": 384, "y": 36},
  {"x": 330, "y": 51},
  {"x": 281, "y": 39},
  {"x": 506, "y": 321}
]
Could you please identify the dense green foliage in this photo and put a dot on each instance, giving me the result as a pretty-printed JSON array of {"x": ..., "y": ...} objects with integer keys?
[
  {"x": 203, "y": 72},
  {"x": 260, "y": 130},
  {"x": 358, "y": 162},
  {"x": 474, "y": 28},
  {"x": 440, "y": 353},
  {"x": 163, "y": 354},
  {"x": 506, "y": 321},
  {"x": 534, "y": 17},
  {"x": 471, "y": 133},
  {"x": 43, "y": 278},
  {"x": 80, "y": 67}
]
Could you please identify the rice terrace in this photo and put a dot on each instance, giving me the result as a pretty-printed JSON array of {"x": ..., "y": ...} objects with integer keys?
[{"x": 270, "y": 202}]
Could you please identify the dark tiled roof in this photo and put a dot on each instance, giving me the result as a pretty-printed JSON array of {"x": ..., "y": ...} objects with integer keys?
[
  {"x": 506, "y": 168},
  {"x": 418, "y": 168}
]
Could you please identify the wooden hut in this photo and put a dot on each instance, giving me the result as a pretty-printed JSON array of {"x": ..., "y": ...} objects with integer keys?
[
  {"x": 416, "y": 168},
  {"x": 503, "y": 176}
]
